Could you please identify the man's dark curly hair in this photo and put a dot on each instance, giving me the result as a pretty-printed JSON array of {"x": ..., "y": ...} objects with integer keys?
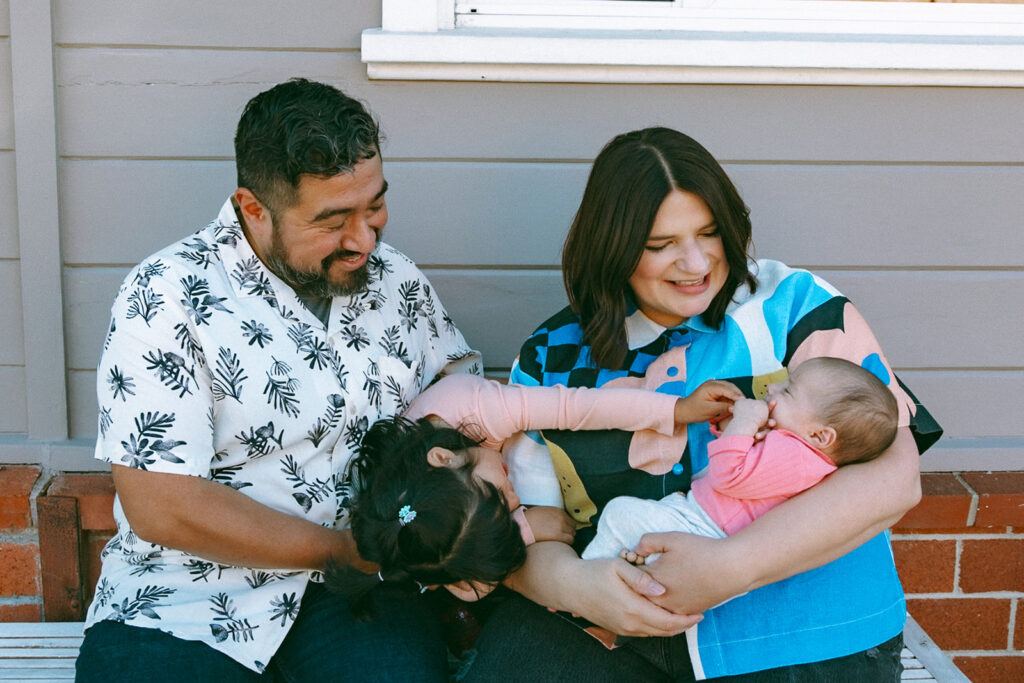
[{"x": 296, "y": 128}]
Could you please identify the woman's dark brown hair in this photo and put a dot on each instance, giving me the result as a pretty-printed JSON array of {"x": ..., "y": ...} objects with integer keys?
[{"x": 631, "y": 177}]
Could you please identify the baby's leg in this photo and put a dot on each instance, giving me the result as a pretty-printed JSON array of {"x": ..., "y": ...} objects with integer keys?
[{"x": 625, "y": 520}]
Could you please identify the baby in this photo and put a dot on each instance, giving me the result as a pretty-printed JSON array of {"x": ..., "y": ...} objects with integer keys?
[{"x": 829, "y": 413}]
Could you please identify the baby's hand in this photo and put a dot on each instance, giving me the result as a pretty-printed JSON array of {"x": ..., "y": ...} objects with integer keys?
[
  {"x": 710, "y": 399},
  {"x": 749, "y": 418},
  {"x": 550, "y": 524},
  {"x": 632, "y": 557}
]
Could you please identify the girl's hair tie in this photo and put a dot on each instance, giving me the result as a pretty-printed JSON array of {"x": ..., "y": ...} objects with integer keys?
[{"x": 406, "y": 515}]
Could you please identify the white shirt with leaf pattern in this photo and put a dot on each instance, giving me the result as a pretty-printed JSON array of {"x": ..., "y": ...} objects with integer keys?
[{"x": 213, "y": 368}]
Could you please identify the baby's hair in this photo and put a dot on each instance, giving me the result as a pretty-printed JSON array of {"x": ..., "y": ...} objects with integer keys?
[
  {"x": 462, "y": 529},
  {"x": 859, "y": 407}
]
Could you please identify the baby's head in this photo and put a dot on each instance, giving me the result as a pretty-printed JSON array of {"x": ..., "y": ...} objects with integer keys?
[
  {"x": 427, "y": 509},
  {"x": 837, "y": 406}
]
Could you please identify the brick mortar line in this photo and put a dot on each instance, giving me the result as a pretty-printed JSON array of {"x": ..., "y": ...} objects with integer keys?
[
  {"x": 987, "y": 595},
  {"x": 984, "y": 653},
  {"x": 972, "y": 511},
  {"x": 1010, "y": 629},
  {"x": 20, "y": 537},
  {"x": 16, "y": 600},
  {"x": 966, "y": 536},
  {"x": 957, "y": 554}
]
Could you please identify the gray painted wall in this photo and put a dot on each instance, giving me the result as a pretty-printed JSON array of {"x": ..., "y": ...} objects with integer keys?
[{"x": 907, "y": 199}]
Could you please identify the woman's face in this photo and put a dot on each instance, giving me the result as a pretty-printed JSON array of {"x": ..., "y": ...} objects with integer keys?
[
  {"x": 683, "y": 266},
  {"x": 488, "y": 466}
]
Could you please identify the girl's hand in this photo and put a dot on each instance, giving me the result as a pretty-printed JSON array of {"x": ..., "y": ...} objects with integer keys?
[
  {"x": 711, "y": 399},
  {"x": 696, "y": 571},
  {"x": 749, "y": 418},
  {"x": 550, "y": 524}
]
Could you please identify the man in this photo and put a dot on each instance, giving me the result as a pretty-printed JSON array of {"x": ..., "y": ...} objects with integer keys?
[{"x": 242, "y": 367}]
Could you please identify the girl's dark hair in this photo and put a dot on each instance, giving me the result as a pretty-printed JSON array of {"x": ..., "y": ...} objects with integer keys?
[
  {"x": 630, "y": 179},
  {"x": 462, "y": 531}
]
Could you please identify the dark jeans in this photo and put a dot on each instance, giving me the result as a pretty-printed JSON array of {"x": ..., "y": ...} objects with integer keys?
[
  {"x": 402, "y": 643},
  {"x": 522, "y": 641}
]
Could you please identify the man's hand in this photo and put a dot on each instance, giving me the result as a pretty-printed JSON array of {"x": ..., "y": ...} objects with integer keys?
[
  {"x": 695, "y": 571},
  {"x": 711, "y": 399},
  {"x": 550, "y": 524}
]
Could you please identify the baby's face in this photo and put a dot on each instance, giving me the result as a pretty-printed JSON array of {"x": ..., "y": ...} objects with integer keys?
[{"x": 796, "y": 400}]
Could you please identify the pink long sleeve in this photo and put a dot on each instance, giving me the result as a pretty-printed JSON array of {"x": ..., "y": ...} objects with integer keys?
[
  {"x": 495, "y": 411},
  {"x": 746, "y": 479}
]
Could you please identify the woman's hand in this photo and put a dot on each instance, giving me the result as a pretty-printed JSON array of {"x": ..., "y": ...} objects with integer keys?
[
  {"x": 696, "y": 571},
  {"x": 550, "y": 524},
  {"x": 709, "y": 400},
  {"x": 610, "y": 593}
]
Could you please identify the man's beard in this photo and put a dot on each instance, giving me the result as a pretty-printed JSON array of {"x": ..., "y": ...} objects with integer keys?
[{"x": 314, "y": 283}]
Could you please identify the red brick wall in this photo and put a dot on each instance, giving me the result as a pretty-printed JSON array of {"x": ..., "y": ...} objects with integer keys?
[
  {"x": 960, "y": 554},
  {"x": 21, "y": 597}
]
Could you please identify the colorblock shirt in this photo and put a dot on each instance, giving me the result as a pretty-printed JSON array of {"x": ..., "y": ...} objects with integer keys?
[
  {"x": 214, "y": 368},
  {"x": 746, "y": 479},
  {"x": 844, "y": 607}
]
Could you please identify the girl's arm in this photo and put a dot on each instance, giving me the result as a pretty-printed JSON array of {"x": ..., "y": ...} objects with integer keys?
[
  {"x": 501, "y": 410},
  {"x": 860, "y": 501}
]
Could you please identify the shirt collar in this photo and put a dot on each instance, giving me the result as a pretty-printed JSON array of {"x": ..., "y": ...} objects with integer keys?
[{"x": 641, "y": 330}]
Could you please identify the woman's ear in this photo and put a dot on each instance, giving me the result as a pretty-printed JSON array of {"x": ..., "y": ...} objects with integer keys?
[
  {"x": 442, "y": 457},
  {"x": 464, "y": 591}
]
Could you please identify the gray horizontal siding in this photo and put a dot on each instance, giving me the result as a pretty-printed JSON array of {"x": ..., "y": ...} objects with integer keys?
[
  {"x": 517, "y": 214},
  {"x": 194, "y": 96},
  {"x": 6, "y": 94},
  {"x": 312, "y": 24},
  {"x": 12, "y": 349},
  {"x": 905, "y": 198},
  {"x": 8, "y": 207},
  {"x": 12, "y": 386}
]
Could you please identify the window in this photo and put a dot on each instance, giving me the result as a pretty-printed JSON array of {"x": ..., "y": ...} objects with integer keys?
[{"x": 861, "y": 42}]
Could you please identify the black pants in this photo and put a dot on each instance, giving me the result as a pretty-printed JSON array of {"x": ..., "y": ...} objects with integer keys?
[{"x": 522, "y": 641}]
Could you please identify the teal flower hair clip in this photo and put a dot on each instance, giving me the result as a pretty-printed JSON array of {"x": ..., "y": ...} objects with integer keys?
[{"x": 406, "y": 515}]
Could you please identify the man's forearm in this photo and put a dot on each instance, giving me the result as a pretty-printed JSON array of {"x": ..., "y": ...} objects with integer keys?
[{"x": 220, "y": 524}]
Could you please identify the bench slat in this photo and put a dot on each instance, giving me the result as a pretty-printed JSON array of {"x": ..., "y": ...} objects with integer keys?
[
  {"x": 27, "y": 653},
  {"x": 48, "y": 629},
  {"x": 38, "y": 674}
]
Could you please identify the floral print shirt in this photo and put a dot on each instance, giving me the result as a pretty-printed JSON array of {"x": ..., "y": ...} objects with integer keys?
[{"x": 214, "y": 368}]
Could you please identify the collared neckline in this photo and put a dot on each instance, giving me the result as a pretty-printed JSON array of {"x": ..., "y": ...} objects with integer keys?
[{"x": 641, "y": 330}]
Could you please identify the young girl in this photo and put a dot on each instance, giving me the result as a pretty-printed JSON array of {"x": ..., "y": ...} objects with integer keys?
[{"x": 434, "y": 504}]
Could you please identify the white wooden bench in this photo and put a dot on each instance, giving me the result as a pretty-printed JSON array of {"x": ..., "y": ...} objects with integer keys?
[
  {"x": 39, "y": 652},
  {"x": 47, "y": 652}
]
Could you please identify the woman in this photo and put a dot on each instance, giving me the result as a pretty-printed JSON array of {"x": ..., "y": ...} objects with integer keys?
[{"x": 663, "y": 294}]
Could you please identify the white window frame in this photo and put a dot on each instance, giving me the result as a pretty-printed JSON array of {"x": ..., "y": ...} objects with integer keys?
[{"x": 699, "y": 41}]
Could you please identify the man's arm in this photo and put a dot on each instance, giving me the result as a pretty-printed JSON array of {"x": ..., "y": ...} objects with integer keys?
[
  {"x": 217, "y": 523},
  {"x": 861, "y": 501}
]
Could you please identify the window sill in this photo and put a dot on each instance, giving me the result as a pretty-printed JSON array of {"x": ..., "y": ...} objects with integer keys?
[{"x": 721, "y": 57}]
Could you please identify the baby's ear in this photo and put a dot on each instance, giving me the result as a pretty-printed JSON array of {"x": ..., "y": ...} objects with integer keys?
[
  {"x": 823, "y": 438},
  {"x": 442, "y": 457}
]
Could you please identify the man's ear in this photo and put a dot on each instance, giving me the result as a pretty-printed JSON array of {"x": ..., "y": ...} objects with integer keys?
[
  {"x": 822, "y": 437},
  {"x": 256, "y": 216},
  {"x": 442, "y": 457}
]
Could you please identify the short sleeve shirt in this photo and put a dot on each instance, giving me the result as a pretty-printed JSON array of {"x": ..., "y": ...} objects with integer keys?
[{"x": 213, "y": 368}]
